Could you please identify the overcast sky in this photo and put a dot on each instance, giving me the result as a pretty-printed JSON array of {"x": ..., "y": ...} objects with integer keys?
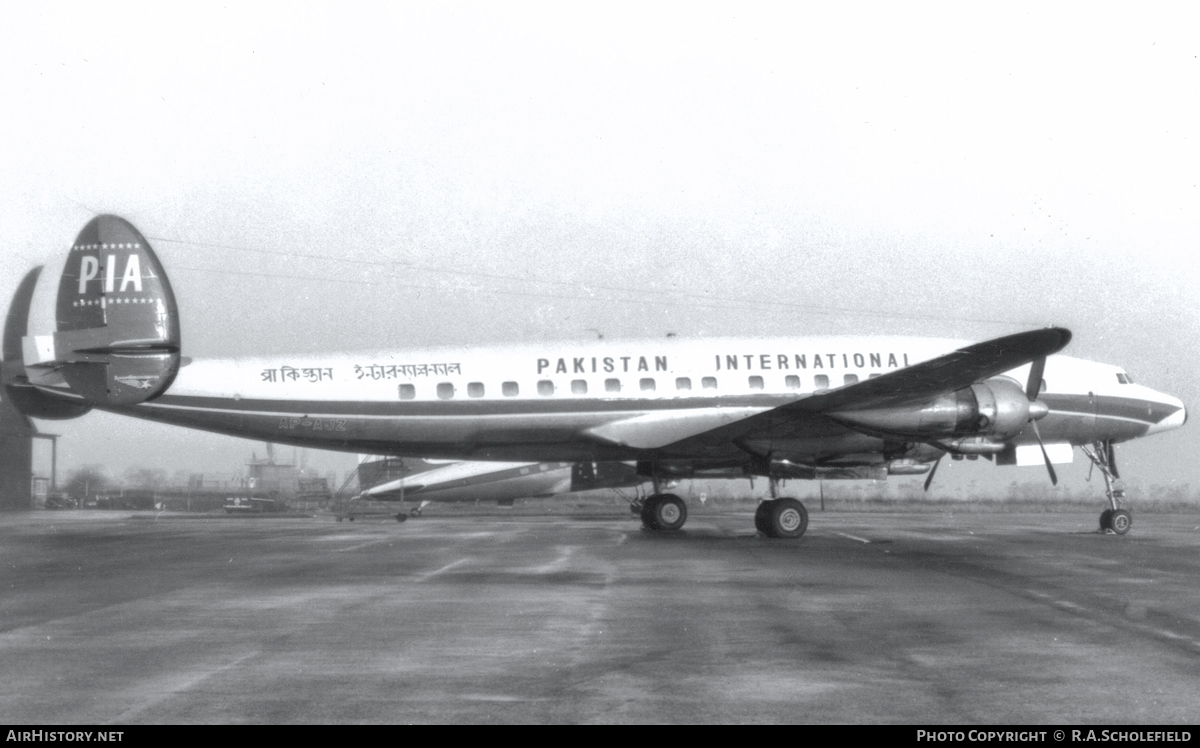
[{"x": 415, "y": 175}]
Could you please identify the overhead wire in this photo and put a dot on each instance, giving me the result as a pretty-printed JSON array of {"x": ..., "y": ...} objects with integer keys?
[{"x": 683, "y": 297}]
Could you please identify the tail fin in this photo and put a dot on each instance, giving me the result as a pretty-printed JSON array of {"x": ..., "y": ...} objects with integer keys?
[
  {"x": 27, "y": 398},
  {"x": 118, "y": 327}
]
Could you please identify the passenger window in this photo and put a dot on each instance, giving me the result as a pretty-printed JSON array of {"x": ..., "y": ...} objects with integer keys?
[
  {"x": 756, "y": 383},
  {"x": 683, "y": 383},
  {"x": 524, "y": 471},
  {"x": 612, "y": 385},
  {"x": 792, "y": 381},
  {"x": 407, "y": 392},
  {"x": 709, "y": 383},
  {"x": 445, "y": 390},
  {"x": 821, "y": 382},
  {"x": 543, "y": 467},
  {"x": 647, "y": 385},
  {"x": 475, "y": 389},
  {"x": 850, "y": 379},
  {"x": 578, "y": 387},
  {"x": 510, "y": 389},
  {"x": 545, "y": 387}
]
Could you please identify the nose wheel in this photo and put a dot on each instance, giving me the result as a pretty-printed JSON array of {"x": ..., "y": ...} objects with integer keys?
[{"x": 1116, "y": 521}]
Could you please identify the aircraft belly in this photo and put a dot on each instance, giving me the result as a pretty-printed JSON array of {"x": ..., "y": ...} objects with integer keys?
[
  {"x": 352, "y": 427},
  {"x": 817, "y": 448}
]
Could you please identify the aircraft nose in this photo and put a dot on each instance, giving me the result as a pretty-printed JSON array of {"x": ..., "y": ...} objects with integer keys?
[{"x": 1173, "y": 419}]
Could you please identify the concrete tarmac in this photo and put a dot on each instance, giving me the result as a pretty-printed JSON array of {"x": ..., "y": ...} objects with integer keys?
[{"x": 933, "y": 618}]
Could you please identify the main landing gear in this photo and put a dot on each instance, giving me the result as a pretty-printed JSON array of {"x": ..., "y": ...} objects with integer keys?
[
  {"x": 664, "y": 511},
  {"x": 780, "y": 518},
  {"x": 660, "y": 511},
  {"x": 1115, "y": 519},
  {"x": 775, "y": 517}
]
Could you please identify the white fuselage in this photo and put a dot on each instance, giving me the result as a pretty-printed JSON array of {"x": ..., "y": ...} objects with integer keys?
[{"x": 603, "y": 400}]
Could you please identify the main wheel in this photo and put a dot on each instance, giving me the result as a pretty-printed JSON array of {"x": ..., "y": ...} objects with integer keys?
[
  {"x": 1121, "y": 521},
  {"x": 664, "y": 511},
  {"x": 647, "y": 511},
  {"x": 401, "y": 517},
  {"x": 760, "y": 517},
  {"x": 1106, "y": 520},
  {"x": 785, "y": 518}
]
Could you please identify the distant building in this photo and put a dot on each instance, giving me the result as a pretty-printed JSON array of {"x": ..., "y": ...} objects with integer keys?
[{"x": 16, "y": 458}]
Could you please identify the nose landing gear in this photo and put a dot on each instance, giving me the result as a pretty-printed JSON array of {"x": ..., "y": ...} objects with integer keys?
[{"x": 1115, "y": 519}]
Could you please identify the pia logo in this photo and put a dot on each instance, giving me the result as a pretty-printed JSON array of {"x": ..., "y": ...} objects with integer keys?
[{"x": 89, "y": 269}]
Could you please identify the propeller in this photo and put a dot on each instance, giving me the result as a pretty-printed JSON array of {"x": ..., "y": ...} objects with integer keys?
[
  {"x": 1033, "y": 388},
  {"x": 1046, "y": 457},
  {"x": 933, "y": 471}
]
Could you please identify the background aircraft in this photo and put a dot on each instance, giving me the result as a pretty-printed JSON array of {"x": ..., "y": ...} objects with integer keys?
[
  {"x": 783, "y": 408},
  {"x": 422, "y": 482}
]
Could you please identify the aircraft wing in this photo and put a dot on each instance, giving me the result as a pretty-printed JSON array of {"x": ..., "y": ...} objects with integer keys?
[
  {"x": 910, "y": 386},
  {"x": 947, "y": 373}
]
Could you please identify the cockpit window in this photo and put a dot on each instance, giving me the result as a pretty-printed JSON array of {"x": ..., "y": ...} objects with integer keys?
[{"x": 1123, "y": 378}]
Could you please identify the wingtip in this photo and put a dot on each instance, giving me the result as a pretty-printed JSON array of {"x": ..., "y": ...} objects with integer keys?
[{"x": 1056, "y": 338}]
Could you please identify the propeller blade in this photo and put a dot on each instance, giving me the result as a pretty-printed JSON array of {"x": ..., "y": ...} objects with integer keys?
[
  {"x": 933, "y": 472},
  {"x": 1034, "y": 387},
  {"x": 1112, "y": 458},
  {"x": 1046, "y": 457}
]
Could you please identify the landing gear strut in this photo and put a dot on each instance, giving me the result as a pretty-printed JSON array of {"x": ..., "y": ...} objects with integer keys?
[{"x": 1115, "y": 519}]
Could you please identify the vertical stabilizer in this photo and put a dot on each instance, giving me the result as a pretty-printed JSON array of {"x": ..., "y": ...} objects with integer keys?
[
  {"x": 19, "y": 391},
  {"x": 118, "y": 327}
]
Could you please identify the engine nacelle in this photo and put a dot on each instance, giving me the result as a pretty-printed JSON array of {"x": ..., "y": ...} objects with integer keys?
[{"x": 996, "y": 408}]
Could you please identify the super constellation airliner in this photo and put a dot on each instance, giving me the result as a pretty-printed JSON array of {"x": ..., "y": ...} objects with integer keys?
[{"x": 804, "y": 407}]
